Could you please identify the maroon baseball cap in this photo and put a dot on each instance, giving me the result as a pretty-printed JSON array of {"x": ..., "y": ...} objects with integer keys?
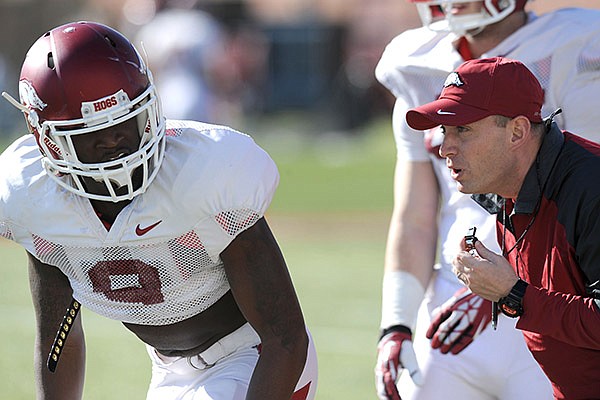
[{"x": 479, "y": 88}]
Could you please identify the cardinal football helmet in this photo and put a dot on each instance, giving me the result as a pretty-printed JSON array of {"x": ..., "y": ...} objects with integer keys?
[
  {"x": 84, "y": 77},
  {"x": 437, "y": 14}
]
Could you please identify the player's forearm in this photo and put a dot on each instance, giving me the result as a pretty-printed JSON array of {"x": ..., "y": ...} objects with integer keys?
[
  {"x": 408, "y": 268},
  {"x": 66, "y": 383},
  {"x": 412, "y": 235},
  {"x": 411, "y": 249},
  {"x": 278, "y": 370},
  {"x": 60, "y": 385}
]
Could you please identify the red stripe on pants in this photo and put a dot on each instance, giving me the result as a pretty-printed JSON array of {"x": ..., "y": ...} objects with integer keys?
[{"x": 301, "y": 394}]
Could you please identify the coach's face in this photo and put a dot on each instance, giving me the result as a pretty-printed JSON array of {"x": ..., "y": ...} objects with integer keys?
[{"x": 479, "y": 157}]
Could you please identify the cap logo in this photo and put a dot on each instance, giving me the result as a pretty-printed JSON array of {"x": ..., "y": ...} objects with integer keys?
[
  {"x": 30, "y": 97},
  {"x": 453, "y": 80}
]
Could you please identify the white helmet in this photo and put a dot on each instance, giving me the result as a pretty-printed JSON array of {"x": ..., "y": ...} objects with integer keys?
[
  {"x": 437, "y": 15},
  {"x": 85, "y": 77}
]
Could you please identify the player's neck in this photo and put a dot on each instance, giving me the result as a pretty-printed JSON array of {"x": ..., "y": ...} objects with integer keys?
[
  {"x": 109, "y": 210},
  {"x": 494, "y": 34}
]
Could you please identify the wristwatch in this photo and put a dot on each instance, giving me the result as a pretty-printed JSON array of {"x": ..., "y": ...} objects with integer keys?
[{"x": 512, "y": 304}]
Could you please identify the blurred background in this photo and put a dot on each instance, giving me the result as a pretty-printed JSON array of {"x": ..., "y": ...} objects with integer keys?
[
  {"x": 230, "y": 60},
  {"x": 298, "y": 76}
]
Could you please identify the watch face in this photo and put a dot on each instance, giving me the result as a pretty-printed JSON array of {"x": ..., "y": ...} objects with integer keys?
[{"x": 511, "y": 310}]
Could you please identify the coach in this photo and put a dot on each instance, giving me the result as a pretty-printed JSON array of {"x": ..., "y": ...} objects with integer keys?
[{"x": 544, "y": 186}]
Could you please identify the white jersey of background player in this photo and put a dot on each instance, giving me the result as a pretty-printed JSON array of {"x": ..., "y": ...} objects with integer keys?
[
  {"x": 159, "y": 225},
  {"x": 562, "y": 48}
]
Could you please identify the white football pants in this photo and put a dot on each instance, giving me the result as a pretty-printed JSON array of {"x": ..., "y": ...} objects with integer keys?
[
  {"x": 222, "y": 372},
  {"x": 496, "y": 366}
]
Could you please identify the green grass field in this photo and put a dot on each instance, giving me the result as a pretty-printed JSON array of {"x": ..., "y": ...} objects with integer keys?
[{"x": 330, "y": 217}]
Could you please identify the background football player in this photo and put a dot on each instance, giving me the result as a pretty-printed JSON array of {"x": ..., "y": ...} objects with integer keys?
[{"x": 430, "y": 325}]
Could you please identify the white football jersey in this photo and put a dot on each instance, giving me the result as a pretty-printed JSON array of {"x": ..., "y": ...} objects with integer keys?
[
  {"x": 562, "y": 49},
  {"x": 159, "y": 263}
]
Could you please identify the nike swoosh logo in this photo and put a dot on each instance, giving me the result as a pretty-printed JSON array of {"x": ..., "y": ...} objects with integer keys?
[
  {"x": 441, "y": 112},
  {"x": 142, "y": 231}
]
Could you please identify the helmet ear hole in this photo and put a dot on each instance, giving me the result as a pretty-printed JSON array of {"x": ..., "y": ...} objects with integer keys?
[
  {"x": 503, "y": 4},
  {"x": 109, "y": 40},
  {"x": 50, "y": 61}
]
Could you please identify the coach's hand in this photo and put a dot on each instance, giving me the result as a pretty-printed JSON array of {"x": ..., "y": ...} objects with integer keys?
[
  {"x": 459, "y": 321},
  {"x": 394, "y": 353}
]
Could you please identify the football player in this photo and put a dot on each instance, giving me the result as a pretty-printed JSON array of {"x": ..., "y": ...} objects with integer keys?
[
  {"x": 158, "y": 224},
  {"x": 431, "y": 326}
]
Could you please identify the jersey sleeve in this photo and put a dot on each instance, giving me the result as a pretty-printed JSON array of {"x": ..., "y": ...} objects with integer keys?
[
  {"x": 232, "y": 188},
  {"x": 19, "y": 167},
  {"x": 407, "y": 69},
  {"x": 407, "y": 49},
  {"x": 409, "y": 143},
  {"x": 578, "y": 96},
  {"x": 562, "y": 49},
  {"x": 5, "y": 229}
]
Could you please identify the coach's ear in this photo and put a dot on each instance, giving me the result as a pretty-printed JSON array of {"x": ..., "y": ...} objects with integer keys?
[{"x": 520, "y": 130}]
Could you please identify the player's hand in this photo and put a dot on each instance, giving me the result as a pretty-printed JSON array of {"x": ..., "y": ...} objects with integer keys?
[
  {"x": 459, "y": 321},
  {"x": 394, "y": 353}
]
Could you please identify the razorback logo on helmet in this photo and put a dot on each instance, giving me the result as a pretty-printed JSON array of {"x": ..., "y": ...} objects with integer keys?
[
  {"x": 453, "y": 79},
  {"x": 89, "y": 108},
  {"x": 29, "y": 96}
]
